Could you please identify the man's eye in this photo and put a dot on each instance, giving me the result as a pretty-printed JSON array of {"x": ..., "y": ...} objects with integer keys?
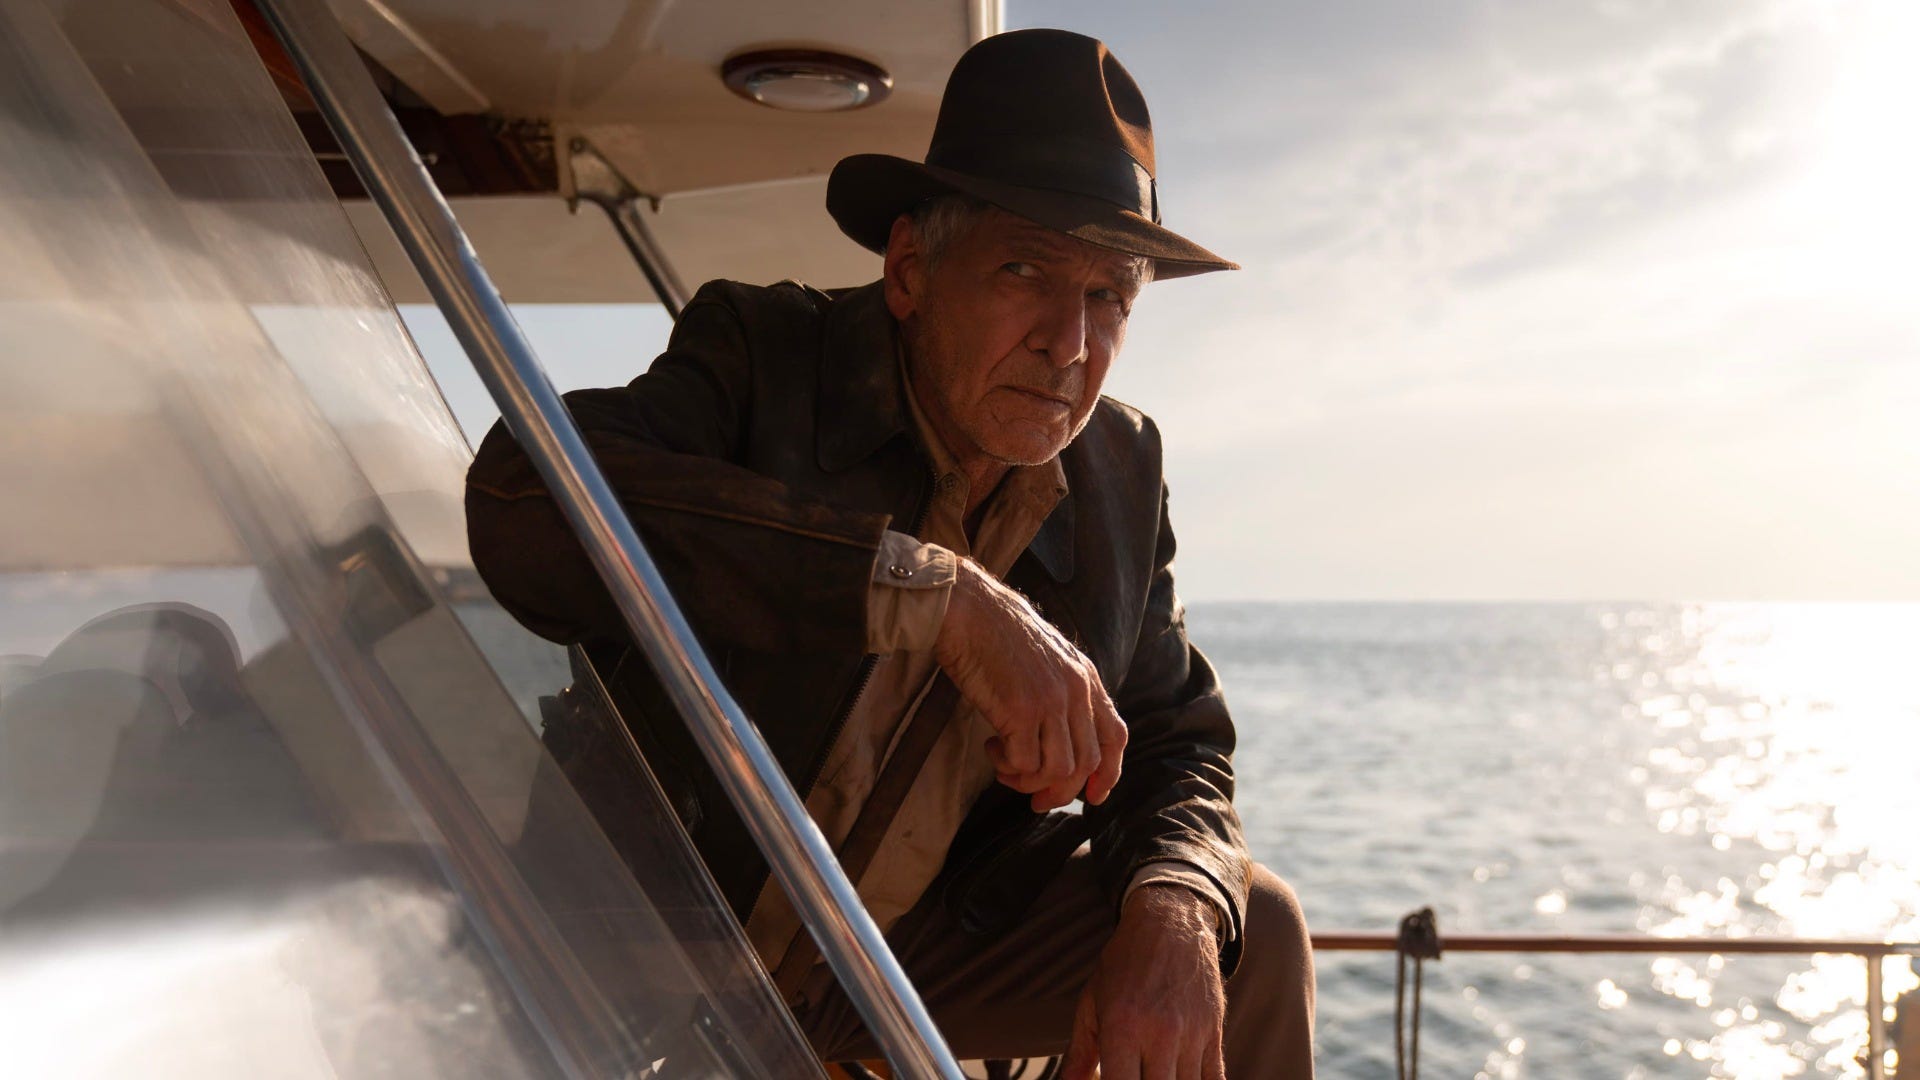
[
  {"x": 1111, "y": 296},
  {"x": 1023, "y": 269}
]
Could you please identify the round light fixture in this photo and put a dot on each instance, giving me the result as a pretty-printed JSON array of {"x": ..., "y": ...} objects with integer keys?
[{"x": 805, "y": 80}]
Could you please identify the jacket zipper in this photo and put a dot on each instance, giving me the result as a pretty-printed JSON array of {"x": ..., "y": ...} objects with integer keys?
[{"x": 859, "y": 688}]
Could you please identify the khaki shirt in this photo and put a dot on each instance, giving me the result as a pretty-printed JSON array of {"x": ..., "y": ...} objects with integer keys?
[{"x": 913, "y": 579}]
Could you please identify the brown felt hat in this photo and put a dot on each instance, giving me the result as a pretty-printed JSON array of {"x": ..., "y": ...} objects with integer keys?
[{"x": 1045, "y": 124}]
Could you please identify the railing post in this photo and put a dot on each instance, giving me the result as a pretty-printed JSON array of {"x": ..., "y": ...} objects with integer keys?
[
  {"x": 596, "y": 181},
  {"x": 1875, "y": 952},
  {"x": 802, "y": 861},
  {"x": 1876, "y": 1020}
]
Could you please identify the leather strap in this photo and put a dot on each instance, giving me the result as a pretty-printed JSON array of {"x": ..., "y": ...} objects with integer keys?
[{"x": 937, "y": 708}]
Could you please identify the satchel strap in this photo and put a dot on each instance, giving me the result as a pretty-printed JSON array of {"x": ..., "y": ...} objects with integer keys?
[{"x": 936, "y": 710}]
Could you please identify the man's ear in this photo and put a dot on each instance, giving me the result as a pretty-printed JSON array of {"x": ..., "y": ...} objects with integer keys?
[{"x": 904, "y": 272}]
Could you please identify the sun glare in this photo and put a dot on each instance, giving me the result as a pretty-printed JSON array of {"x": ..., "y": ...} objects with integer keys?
[{"x": 1867, "y": 167}]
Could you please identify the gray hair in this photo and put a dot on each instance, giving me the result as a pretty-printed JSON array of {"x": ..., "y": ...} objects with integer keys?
[{"x": 940, "y": 220}]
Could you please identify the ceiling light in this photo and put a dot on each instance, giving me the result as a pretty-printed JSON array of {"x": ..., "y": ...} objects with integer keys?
[{"x": 805, "y": 80}]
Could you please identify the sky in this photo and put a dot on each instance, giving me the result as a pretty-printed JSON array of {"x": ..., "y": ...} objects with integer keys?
[{"x": 1615, "y": 300}]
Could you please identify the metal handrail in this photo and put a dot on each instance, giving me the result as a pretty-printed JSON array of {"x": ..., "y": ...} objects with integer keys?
[
  {"x": 1873, "y": 951},
  {"x": 801, "y": 859},
  {"x": 1365, "y": 941}
]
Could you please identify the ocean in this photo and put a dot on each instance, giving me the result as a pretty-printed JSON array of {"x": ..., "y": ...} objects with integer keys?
[{"x": 1685, "y": 770}]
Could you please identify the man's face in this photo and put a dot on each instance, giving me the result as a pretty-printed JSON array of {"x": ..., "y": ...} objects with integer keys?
[{"x": 1010, "y": 333}]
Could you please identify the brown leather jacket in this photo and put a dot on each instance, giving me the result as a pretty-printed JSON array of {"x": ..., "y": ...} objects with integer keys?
[{"x": 761, "y": 458}]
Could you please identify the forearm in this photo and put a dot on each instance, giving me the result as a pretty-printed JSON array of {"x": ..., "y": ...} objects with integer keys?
[
  {"x": 1174, "y": 802},
  {"x": 1189, "y": 911},
  {"x": 751, "y": 563},
  {"x": 1189, "y": 881},
  {"x": 1171, "y": 820}
]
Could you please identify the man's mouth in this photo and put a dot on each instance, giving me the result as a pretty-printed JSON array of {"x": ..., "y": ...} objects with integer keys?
[{"x": 1044, "y": 395}]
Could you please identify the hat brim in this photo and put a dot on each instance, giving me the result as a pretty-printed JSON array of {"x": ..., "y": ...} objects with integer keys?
[{"x": 866, "y": 192}]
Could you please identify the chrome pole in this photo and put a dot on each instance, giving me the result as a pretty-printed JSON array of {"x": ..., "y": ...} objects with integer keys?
[
  {"x": 597, "y": 181},
  {"x": 799, "y": 854}
]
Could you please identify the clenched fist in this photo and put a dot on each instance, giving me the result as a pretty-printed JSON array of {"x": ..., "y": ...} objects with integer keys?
[{"x": 1056, "y": 730}]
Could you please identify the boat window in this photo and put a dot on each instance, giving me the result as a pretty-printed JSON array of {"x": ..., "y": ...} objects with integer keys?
[{"x": 270, "y": 801}]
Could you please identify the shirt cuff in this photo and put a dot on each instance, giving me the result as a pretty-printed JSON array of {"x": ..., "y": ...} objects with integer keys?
[
  {"x": 907, "y": 601},
  {"x": 1187, "y": 876}
]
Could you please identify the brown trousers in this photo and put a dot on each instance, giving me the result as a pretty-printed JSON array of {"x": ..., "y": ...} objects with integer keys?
[{"x": 1014, "y": 996}]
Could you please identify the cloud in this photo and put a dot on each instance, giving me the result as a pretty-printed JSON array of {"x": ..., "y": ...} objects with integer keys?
[
  {"x": 1541, "y": 300},
  {"x": 1532, "y": 307},
  {"x": 1478, "y": 175},
  {"x": 1423, "y": 142}
]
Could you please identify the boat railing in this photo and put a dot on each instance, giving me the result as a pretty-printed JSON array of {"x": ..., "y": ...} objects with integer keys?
[
  {"x": 1873, "y": 951},
  {"x": 439, "y": 249}
]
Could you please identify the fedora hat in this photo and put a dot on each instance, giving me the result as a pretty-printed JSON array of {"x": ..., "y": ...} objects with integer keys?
[{"x": 1045, "y": 124}]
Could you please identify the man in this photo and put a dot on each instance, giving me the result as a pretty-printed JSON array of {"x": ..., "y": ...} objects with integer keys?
[{"x": 934, "y": 565}]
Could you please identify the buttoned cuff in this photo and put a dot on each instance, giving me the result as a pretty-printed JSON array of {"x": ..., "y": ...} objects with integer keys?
[
  {"x": 1190, "y": 877},
  {"x": 907, "y": 601}
]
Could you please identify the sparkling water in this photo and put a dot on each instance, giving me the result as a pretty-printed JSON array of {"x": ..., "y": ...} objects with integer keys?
[{"x": 1683, "y": 770}]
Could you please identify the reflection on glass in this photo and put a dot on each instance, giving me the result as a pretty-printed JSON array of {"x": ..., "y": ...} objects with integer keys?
[{"x": 265, "y": 806}]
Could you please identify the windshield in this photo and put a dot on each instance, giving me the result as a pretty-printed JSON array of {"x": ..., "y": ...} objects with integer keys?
[{"x": 272, "y": 796}]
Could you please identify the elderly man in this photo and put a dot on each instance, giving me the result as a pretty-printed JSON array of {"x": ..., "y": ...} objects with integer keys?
[{"x": 934, "y": 564}]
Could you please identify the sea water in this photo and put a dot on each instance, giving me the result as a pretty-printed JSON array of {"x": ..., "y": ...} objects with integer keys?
[{"x": 1681, "y": 770}]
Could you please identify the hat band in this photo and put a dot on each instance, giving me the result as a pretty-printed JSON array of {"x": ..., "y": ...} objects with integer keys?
[{"x": 1101, "y": 170}]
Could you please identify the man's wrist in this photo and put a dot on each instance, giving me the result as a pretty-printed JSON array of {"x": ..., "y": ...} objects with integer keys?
[
  {"x": 1175, "y": 908},
  {"x": 963, "y": 605},
  {"x": 1176, "y": 873}
]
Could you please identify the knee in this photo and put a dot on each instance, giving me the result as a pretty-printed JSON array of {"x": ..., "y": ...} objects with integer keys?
[
  {"x": 1270, "y": 999},
  {"x": 1276, "y": 928}
]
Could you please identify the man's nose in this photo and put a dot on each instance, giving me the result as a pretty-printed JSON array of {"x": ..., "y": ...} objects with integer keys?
[{"x": 1060, "y": 334}]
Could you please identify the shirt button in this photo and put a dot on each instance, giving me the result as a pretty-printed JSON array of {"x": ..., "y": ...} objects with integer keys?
[{"x": 899, "y": 571}]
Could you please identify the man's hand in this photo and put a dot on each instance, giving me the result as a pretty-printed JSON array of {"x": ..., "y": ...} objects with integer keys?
[
  {"x": 1155, "y": 1008},
  {"x": 1057, "y": 731}
]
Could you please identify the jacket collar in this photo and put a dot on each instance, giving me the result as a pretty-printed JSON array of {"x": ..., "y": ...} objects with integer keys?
[
  {"x": 1053, "y": 544},
  {"x": 862, "y": 407},
  {"x": 860, "y": 394}
]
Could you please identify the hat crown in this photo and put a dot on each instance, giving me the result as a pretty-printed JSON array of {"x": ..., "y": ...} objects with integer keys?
[
  {"x": 1044, "y": 124},
  {"x": 1040, "y": 88}
]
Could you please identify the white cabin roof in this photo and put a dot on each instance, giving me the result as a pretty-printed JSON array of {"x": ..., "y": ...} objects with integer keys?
[{"x": 741, "y": 187}]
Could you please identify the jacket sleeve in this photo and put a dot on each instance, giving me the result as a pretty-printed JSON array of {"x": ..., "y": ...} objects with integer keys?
[
  {"x": 751, "y": 563},
  {"x": 1174, "y": 801}
]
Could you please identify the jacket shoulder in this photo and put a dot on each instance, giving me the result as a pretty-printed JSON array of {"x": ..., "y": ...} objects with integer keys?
[
  {"x": 784, "y": 300},
  {"x": 1123, "y": 435},
  {"x": 1114, "y": 469}
]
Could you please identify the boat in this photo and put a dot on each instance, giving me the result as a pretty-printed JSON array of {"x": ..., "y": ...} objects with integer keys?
[
  {"x": 274, "y": 798},
  {"x": 272, "y": 791}
]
